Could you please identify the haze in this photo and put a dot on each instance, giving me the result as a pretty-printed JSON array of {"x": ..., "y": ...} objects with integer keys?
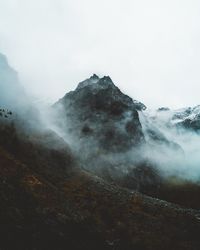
[{"x": 151, "y": 49}]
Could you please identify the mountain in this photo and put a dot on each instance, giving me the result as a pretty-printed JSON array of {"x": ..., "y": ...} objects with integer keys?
[
  {"x": 153, "y": 163},
  {"x": 111, "y": 134},
  {"x": 12, "y": 94},
  {"x": 104, "y": 128},
  {"x": 80, "y": 183},
  {"x": 98, "y": 111}
]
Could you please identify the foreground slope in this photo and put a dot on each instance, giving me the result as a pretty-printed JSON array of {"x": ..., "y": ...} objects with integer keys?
[{"x": 78, "y": 210}]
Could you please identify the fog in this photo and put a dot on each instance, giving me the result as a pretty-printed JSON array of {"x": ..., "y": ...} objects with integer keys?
[
  {"x": 12, "y": 94},
  {"x": 149, "y": 48},
  {"x": 182, "y": 161},
  {"x": 171, "y": 151}
]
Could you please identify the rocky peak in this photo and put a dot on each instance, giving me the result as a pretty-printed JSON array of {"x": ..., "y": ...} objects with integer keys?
[
  {"x": 97, "y": 110},
  {"x": 96, "y": 82},
  {"x": 107, "y": 79},
  {"x": 94, "y": 77}
]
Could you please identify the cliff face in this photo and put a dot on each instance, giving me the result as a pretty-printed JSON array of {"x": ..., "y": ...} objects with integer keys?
[
  {"x": 104, "y": 128},
  {"x": 98, "y": 111}
]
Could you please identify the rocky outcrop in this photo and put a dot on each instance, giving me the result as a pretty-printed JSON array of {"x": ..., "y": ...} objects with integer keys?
[{"x": 98, "y": 112}]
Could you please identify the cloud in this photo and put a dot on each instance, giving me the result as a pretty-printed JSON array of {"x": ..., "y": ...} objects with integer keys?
[
  {"x": 12, "y": 94},
  {"x": 182, "y": 161},
  {"x": 150, "y": 48}
]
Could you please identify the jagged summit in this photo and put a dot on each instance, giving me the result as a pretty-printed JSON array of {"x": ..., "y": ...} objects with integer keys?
[
  {"x": 94, "y": 76},
  {"x": 96, "y": 82}
]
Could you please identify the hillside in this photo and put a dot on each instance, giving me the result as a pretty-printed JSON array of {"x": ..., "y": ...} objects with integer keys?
[
  {"x": 84, "y": 212},
  {"x": 94, "y": 171}
]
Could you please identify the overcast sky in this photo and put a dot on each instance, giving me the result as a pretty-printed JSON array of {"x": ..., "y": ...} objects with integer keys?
[{"x": 150, "y": 48}]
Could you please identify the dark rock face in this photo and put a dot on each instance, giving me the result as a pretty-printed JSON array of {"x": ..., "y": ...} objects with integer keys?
[
  {"x": 98, "y": 110},
  {"x": 104, "y": 126}
]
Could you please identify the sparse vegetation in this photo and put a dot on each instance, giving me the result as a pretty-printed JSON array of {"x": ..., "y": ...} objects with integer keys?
[
  {"x": 4, "y": 113},
  {"x": 44, "y": 196}
]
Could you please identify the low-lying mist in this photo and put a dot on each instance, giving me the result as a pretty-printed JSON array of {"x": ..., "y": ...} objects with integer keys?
[
  {"x": 18, "y": 108},
  {"x": 167, "y": 149},
  {"x": 182, "y": 161}
]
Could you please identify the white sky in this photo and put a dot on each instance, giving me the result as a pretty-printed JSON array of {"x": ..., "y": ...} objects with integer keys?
[{"x": 150, "y": 48}]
